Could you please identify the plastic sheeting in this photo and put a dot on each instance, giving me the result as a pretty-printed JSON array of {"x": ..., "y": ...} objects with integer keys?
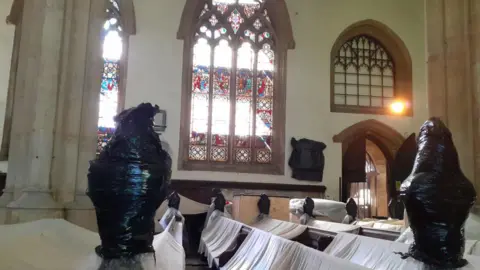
[
  {"x": 390, "y": 225},
  {"x": 379, "y": 254},
  {"x": 333, "y": 227},
  {"x": 217, "y": 236},
  {"x": 472, "y": 247},
  {"x": 263, "y": 251},
  {"x": 58, "y": 244},
  {"x": 334, "y": 210},
  {"x": 472, "y": 227},
  {"x": 438, "y": 198},
  {"x": 285, "y": 229},
  {"x": 127, "y": 183}
]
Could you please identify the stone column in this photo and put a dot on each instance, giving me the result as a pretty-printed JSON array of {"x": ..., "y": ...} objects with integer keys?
[
  {"x": 450, "y": 75},
  {"x": 90, "y": 19},
  {"x": 35, "y": 110},
  {"x": 8, "y": 192}
]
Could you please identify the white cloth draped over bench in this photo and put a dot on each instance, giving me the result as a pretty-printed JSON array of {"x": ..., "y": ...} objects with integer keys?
[
  {"x": 379, "y": 254},
  {"x": 285, "y": 229},
  {"x": 333, "y": 227},
  {"x": 56, "y": 244},
  {"x": 262, "y": 251},
  {"x": 218, "y": 235}
]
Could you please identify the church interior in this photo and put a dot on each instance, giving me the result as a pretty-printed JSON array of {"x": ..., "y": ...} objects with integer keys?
[{"x": 168, "y": 134}]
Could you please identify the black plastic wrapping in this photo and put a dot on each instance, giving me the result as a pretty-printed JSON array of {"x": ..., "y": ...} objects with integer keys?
[
  {"x": 263, "y": 205},
  {"x": 437, "y": 198},
  {"x": 127, "y": 183},
  {"x": 307, "y": 160},
  {"x": 308, "y": 206}
]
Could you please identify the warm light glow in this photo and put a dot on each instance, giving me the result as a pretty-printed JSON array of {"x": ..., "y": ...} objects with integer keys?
[{"x": 397, "y": 107}]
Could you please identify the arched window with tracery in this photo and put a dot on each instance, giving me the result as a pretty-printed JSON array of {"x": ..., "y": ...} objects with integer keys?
[
  {"x": 371, "y": 71},
  {"x": 115, "y": 35},
  {"x": 232, "y": 89}
]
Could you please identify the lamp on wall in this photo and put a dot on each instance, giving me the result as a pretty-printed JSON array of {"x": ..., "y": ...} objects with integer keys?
[{"x": 160, "y": 121}]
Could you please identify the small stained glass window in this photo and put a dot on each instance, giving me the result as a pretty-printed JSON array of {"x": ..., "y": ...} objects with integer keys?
[
  {"x": 231, "y": 108},
  {"x": 109, "y": 89}
]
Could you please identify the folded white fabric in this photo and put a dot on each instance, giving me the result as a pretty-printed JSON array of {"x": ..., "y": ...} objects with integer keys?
[
  {"x": 285, "y": 229},
  {"x": 379, "y": 254},
  {"x": 252, "y": 252},
  {"x": 217, "y": 236},
  {"x": 334, "y": 210},
  {"x": 333, "y": 227},
  {"x": 168, "y": 247},
  {"x": 170, "y": 214},
  {"x": 263, "y": 251}
]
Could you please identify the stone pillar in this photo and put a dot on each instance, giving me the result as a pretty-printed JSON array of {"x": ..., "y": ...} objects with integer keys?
[
  {"x": 8, "y": 192},
  {"x": 451, "y": 92},
  {"x": 91, "y": 19},
  {"x": 34, "y": 118}
]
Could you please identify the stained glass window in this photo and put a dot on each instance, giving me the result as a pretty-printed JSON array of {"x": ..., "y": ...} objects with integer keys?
[
  {"x": 363, "y": 74},
  {"x": 109, "y": 90},
  {"x": 231, "y": 108}
]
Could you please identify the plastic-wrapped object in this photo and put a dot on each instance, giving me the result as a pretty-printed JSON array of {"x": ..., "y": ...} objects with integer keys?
[
  {"x": 334, "y": 210},
  {"x": 437, "y": 198},
  {"x": 127, "y": 183},
  {"x": 263, "y": 205},
  {"x": 307, "y": 160}
]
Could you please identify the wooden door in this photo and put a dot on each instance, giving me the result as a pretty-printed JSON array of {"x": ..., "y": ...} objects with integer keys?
[
  {"x": 353, "y": 165},
  {"x": 403, "y": 163}
]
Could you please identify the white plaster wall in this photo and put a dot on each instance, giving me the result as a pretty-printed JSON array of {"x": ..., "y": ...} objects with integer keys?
[
  {"x": 155, "y": 64},
  {"x": 6, "y": 43}
]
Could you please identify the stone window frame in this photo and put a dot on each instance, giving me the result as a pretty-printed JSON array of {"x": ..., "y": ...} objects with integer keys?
[
  {"x": 280, "y": 19},
  {"x": 128, "y": 21},
  {"x": 398, "y": 51}
]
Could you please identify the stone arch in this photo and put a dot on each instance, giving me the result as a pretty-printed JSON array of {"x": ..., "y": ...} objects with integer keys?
[
  {"x": 393, "y": 44},
  {"x": 382, "y": 134},
  {"x": 386, "y": 138},
  {"x": 127, "y": 11}
]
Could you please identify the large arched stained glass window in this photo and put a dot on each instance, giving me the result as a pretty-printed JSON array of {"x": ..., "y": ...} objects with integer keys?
[
  {"x": 112, "y": 35},
  {"x": 232, "y": 85}
]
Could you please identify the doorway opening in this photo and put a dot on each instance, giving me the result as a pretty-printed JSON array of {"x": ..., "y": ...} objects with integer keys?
[
  {"x": 375, "y": 159},
  {"x": 371, "y": 195}
]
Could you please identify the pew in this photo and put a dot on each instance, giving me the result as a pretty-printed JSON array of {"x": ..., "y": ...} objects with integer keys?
[{"x": 224, "y": 247}]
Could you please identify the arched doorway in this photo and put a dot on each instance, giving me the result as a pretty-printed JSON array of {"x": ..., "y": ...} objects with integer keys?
[{"x": 375, "y": 159}]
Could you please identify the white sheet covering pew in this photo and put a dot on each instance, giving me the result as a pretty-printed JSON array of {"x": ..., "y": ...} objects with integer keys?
[
  {"x": 262, "y": 250},
  {"x": 379, "y": 254},
  {"x": 222, "y": 236},
  {"x": 309, "y": 219}
]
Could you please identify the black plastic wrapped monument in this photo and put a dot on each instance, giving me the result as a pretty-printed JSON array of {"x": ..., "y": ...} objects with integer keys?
[
  {"x": 438, "y": 198},
  {"x": 127, "y": 183}
]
